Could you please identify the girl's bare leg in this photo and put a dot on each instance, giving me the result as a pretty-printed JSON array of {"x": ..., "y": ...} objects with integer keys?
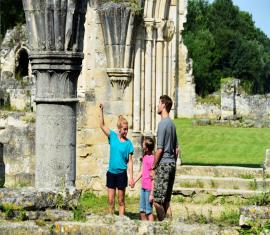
[
  {"x": 121, "y": 201},
  {"x": 111, "y": 200},
  {"x": 143, "y": 216},
  {"x": 151, "y": 217}
]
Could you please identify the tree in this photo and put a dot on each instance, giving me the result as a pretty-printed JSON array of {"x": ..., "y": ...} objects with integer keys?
[
  {"x": 224, "y": 42},
  {"x": 11, "y": 14}
]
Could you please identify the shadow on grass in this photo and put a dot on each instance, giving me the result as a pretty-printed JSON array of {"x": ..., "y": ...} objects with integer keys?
[
  {"x": 131, "y": 215},
  {"x": 240, "y": 165}
]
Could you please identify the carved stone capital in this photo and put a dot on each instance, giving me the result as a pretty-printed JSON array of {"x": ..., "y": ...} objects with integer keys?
[
  {"x": 169, "y": 30},
  {"x": 120, "y": 77},
  {"x": 56, "y": 76},
  {"x": 53, "y": 25},
  {"x": 149, "y": 27},
  {"x": 160, "y": 28},
  {"x": 117, "y": 20}
]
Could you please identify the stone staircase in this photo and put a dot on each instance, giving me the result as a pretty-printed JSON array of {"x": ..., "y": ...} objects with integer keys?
[{"x": 220, "y": 180}]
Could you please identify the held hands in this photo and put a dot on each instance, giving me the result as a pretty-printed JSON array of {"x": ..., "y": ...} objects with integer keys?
[
  {"x": 131, "y": 183},
  {"x": 152, "y": 174}
]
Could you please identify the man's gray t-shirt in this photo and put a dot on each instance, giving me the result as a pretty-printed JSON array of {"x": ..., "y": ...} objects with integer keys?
[{"x": 167, "y": 140}]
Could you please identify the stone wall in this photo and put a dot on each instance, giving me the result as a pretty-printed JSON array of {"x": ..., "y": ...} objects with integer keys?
[
  {"x": 94, "y": 87},
  {"x": 234, "y": 101},
  {"x": 17, "y": 137},
  {"x": 185, "y": 91},
  {"x": 16, "y": 82}
]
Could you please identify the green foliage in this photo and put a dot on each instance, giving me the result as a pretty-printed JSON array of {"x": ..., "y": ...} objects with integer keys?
[
  {"x": 40, "y": 222},
  {"x": 260, "y": 200},
  {"x": 11, "y": 14},
  {"x": 256, "y": 228},
  {"x": 253, "y": 185},
  {"x": 134, "y": 5},
  {"x": 229, "y": 216},
  {"x": 224, "y": 42},
  {"x": 209, "y": 99},
  {"x": 21, "y": 216},
  {"x": 246, "y": 176},
  {"x": 79, "y": 214},
  {"x": 60, "y": 202}
]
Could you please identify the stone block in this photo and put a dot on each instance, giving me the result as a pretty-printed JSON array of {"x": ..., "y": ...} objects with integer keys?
[
  {"x": 39, "y": 199},
  {"x": 267, "y": 161}
]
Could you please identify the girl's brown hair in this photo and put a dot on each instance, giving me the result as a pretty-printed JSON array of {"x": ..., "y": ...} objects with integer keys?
[
  {"x": 149, "y": 143},
  {"x": 121, "y": 121}
]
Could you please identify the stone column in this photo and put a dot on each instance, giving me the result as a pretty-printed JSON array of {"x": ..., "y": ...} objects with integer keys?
[
  {"x": 159, "y": 62},
  {"x": 165, "y": 69},
  {"x": 56, "y": 84},
  {"x": 56, "y": 33},
  {"x": 148, "y": 77},
  {"x": 137, "y": 87}
]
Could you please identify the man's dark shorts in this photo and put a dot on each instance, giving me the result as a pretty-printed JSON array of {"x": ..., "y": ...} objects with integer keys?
[
  {"x": 119, "y": 181},
  {"x": 163, "y": 182}
]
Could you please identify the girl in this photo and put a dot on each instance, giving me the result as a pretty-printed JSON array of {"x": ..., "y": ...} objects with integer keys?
[
  {"x": 121, "y": 151},
  {"x": 146, "y": 199}
]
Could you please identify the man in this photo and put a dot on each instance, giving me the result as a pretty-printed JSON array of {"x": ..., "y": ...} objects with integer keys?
[{"x": 165, "y": 158}]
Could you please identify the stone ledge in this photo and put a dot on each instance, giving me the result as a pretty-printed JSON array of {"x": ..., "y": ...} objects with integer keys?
[
  {"x": 39, "y": 199},
  {"x": 112, "y": 225}
]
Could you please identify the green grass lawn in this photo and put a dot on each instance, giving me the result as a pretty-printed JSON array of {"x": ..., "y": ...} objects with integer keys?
[{"x": 213, "y": 145}]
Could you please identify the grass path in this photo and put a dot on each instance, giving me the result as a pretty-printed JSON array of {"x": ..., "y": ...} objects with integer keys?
[{"x": 213, "y": 145}]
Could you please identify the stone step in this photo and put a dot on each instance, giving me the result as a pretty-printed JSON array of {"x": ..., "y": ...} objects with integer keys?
[
  {"x": 191, "y": 181},
  {"x": 220, "y": 171},
  {"x": 216, "y": 192}
]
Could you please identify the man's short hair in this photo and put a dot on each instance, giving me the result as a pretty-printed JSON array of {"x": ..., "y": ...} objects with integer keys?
[{"x": 167, "y": 101}]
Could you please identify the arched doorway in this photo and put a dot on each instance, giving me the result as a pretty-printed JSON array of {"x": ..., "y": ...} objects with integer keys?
[{"x": 22, "y": 62}]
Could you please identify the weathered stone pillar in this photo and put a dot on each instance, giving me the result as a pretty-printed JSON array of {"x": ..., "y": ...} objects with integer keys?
[
  {"x": 159, "y": 63},
  {"x": 148, "y": 76},
  {"x": 165, "y": 69},
  {"x": 137, "y": 86},
  {"x": 56, "y": 30}
]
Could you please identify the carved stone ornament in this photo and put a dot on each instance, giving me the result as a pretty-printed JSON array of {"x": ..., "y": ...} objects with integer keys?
[
  {"x": 117, "y": 22},
  {"x": 169, "y": 30},
  {"x": 120, "y": 77}
]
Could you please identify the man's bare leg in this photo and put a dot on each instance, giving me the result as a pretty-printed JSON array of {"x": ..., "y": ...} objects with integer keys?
[
  {"x": 169, "y": 211},
  {"x": 160, "y": 211}
]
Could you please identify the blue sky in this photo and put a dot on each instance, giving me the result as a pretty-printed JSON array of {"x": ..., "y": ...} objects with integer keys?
[{"x": 260, "y": 11}]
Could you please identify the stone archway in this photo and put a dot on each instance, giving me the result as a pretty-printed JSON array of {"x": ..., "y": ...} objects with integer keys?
[
  {"x": 153, "y": 65},
  {"x": 22, "y": 63}
]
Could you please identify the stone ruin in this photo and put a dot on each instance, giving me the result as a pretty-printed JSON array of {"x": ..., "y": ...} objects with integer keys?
[
  {"x": 78, "y": 55},
  {"x": 83, "y": 54},
  {"x": 126, "y": 68},
  {"x": 129, "y": 61}
]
